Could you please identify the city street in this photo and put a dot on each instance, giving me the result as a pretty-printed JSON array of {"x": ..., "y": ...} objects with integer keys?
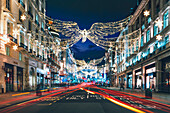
[
  {"x": 89, "y": 99},
  {"x": 84, "y": 56}
]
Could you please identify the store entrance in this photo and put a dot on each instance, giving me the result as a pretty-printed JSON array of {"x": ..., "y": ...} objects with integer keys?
[
  {"x": 9, "y": 78},
  {"x": 150, "y": 81},
  {"x": 20, "y": 79}
]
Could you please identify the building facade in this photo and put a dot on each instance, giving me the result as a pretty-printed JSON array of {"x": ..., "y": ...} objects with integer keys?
[
  {"x": 143, "y": 52},
  {"x": 27, "y": 48}
]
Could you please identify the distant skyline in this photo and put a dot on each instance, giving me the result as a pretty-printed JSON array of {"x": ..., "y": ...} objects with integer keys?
[{"x": 85, "y": 13}]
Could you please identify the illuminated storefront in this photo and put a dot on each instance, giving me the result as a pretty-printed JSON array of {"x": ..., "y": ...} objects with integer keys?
[
  {"x": 165, "y": 83},
  {"x": 9, "y": 77},
  {"x": 129, "y": 80},
  {"x": 150, "y": 78},
  {"x": 138, "y": 79}
]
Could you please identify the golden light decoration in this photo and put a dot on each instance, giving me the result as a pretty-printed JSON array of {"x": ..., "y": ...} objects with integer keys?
[
  {"x": 159, "y": 37},
  {"x": 50, "y": 22},
  {"x": 15, "y": 47},
  {"x": 15, "y": 32},
  {"x": 159, "y": 23},
  {"x": 23, "y": 17},
  {"x": 146, "y": 13}
]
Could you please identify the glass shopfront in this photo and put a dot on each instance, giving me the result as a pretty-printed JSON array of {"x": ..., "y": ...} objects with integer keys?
[
  {"x": 129, "y": 80},
  {"x": 9, "y": 77},
  {"x": 150, "y": 79},
  {"x": 165, "y": 84},
  {"x": 138, "y": 79},
  {"x": 19, "y": 79}
]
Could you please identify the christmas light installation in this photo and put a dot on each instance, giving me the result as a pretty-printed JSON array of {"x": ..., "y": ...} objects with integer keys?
[
  {"x": 159, "y": 37},
  {"x": 23, "y": 17},
  {"x": 96, "y": 32},
  {"x": 159, "y": 23},
  {"x": 146, "y": 13},
  {"x": 15, "y": 47}
]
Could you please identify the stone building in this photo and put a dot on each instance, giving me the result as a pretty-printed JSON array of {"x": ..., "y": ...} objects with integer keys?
[
  {"x": 143, "y": 54},
  {"x": 27, "y": 48}
]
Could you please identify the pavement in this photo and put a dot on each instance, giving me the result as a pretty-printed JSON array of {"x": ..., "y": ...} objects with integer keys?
[
  {"x": 11, "y": 98},
  {"x": 156, "y": 96}
]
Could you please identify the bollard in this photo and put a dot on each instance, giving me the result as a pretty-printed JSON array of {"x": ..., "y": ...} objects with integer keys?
[
  {"x": 148, "y": 93},
  {"x": 38, "y": 93}
]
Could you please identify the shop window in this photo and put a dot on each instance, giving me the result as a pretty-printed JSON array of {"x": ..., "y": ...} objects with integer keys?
[
  {"x": 165, "y": 19},
  {"x": 7, "y": 51},
  {"x": 148, "y": 36},
  {"x": 141, "y": 41},
  {"x": 20, "y": 56}
]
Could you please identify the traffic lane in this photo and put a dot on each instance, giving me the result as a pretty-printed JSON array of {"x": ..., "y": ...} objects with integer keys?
[
  {"x": 21, "y": 105},
  {"x": 135, "y": 101},
  {"x": 75, "y": 102}
]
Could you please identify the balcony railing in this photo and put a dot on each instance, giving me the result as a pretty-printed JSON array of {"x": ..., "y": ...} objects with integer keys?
[
  {"x": 13, "y": 39},
  {"x": 23, "y": 46}
]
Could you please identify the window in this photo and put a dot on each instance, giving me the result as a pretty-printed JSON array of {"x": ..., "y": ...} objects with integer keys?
[
  {"x": 165, "y": 17},
  {"x": 133, "y": 49},
  {"x": 149, "y": 20},
  {"x": 20, "y": 13},
  {"x": 148, "y": 36},
  {"x": 42, "y": 25},
  {"x": 141, "y": 41},
  {"x": 166, "y": 39},
  {"x": 155, "y": 47},
  {"x": 9, "y": 28},
  {"x": 155, "y": 30},
  {"x": 148, "y": 50},
  {"x": 36, "y": 19},
  {"x": 137, "y": 44},
  {"x": 30, "y": 24},
  {"x": 7, "y": 51},
  {"x": 8, "y": 4},
  {"x": 143, "y": 27},
  {"x": 20, "y": 56},
  {"x": 22, "y": 3}
]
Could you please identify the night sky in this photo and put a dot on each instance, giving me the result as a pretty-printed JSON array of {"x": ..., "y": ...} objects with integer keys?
[{"x": 85, "y": 13}]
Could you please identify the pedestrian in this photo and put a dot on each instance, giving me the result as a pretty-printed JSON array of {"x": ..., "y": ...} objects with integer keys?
[{"x": 121, "y": 86}]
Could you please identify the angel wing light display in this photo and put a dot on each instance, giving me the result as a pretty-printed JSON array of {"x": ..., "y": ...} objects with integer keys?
[{"x": 97, "y": 31}]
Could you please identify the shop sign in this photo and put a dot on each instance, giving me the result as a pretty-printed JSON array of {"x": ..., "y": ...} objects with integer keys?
[
  {"x": 151, "y": 70},
  {"x": 32, "y": 63},
  {"x": 40, "y": 71},
  {"x": 138, "y": 73}
]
